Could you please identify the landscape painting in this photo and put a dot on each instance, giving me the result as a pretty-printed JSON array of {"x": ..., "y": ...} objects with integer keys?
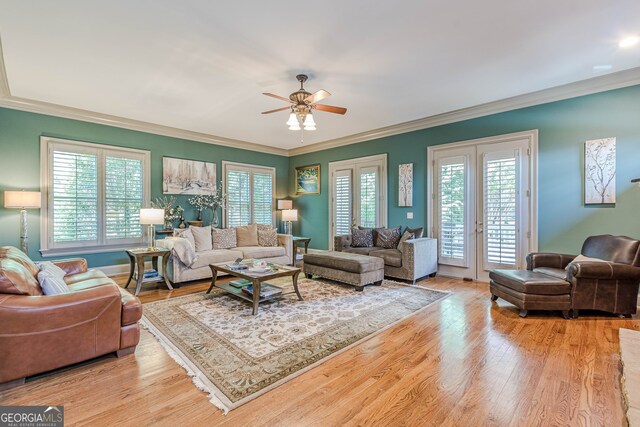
[
  {"x": 180, "y": 176},
  {"x": 405, "y": 184},
  {"x": 600, "y": 171},
  {"x": 308, "y": 179}
]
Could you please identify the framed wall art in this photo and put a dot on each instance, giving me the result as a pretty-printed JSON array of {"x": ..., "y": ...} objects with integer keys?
[
  {"x": 600, "y": 171},
  {"x": 180, "y": 176},
  {"x": 308, "y": 179},
  {"x": 405, "y": 184}
]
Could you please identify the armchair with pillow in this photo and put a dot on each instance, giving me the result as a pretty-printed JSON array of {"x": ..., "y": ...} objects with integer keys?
[
  {"x": 77, "y": 314},
  {"x": 407, "y": 255},
  {"x": 194, "y": 248}
]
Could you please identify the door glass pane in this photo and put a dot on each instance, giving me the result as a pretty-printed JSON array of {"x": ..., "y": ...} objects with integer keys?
[
  {"x": 342, "y": 214},
  {"x": 500, "y": 210},
  {"x": 368, "y": 199},
  {"x": 451, "y": 189}
]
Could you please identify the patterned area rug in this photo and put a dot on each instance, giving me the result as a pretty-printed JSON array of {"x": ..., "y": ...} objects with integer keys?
[{"x": 236, "y": 357}]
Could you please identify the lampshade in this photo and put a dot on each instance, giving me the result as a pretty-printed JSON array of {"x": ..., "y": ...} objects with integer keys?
[
  {"x": 293, "y": 120},
  {"x": 22, "y": 199},
  {"x": 290, "y": 215},
  {"x": 285, "y": 204},
  {"x": 294, "y": 126},
  {"x": 151, "y": 216}
]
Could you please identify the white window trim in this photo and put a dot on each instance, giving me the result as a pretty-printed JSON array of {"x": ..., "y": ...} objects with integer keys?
[
  {"x": 532, "y": 137},
  {"x": 46, "y": 249},
  {"x": 341, "y": 164},
  {"x": 251, "y": 169}
]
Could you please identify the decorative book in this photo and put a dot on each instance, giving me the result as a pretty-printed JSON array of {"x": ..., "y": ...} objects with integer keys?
[{"x": 266, "y": 290}]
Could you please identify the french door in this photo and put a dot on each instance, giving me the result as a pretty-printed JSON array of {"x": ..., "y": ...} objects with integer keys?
[
  {"x": 357, "y": 194},
  {"x": 483, "y": 213}
]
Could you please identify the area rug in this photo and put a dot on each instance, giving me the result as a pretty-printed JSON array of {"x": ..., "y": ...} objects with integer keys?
[{"x": 235, "y": 357}]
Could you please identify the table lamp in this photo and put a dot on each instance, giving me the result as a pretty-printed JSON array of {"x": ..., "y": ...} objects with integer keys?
[
  {"x": 151, "y": 217},
  {"x": 23, "y": 200},
  {"x": 289, "y": 215}
]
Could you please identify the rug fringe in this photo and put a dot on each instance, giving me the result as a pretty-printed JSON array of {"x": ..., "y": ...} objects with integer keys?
[{"x": 200, "y": 385}]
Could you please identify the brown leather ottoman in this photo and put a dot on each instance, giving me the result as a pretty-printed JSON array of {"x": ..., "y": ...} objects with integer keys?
[{"x": 529, "y": 290}]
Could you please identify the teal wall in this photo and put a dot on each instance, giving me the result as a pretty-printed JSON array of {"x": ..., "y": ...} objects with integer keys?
[
  {"x": 20, "y": 166},
  {"x": 564, "y": 126}
]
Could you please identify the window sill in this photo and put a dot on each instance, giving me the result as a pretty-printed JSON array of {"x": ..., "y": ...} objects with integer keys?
[{"x": 46, "y": 253}]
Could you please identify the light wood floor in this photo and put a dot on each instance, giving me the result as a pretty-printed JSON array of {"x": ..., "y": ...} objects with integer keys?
[{"x": 462, "y": 362}]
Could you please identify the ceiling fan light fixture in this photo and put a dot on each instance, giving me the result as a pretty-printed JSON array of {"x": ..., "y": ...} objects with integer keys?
[
  {"x": 293, "y": 120},
  {"x": 308, "y": 121}
]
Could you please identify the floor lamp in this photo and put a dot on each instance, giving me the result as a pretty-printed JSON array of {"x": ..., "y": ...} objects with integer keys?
[{"x": 23, "y": 200}]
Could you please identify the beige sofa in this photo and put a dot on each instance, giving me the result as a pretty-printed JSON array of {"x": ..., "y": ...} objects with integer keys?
[{"x": 184, "y": 266}]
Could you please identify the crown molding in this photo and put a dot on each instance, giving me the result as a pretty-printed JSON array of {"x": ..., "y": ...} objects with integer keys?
[{"x": 593, "y": 85}]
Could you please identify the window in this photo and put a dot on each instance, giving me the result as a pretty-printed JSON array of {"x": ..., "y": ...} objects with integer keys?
[
  {"x": 451, "y": 215},
  {"x": 250, "y": 194},
  {"x": 369, "y": 197},
  {"x": 92, "y": 196},
  {"x": 343, "y": 203}
]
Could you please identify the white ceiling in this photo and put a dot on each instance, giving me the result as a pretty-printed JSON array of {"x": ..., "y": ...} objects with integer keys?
[{"x": 202, "y": 65}]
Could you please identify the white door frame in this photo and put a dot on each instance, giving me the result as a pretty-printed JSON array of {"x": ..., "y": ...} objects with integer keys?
[
  {"x": 532, "y": 137},
  {"x": 342, "y": 164}
]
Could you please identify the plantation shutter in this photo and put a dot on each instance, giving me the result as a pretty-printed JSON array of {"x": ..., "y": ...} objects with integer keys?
[
  {"x": 343, "y": 216},
  {"x": 250, "y": 194},
  {"x": 239, "y": 198},
  {"x": 74, "y": 197},
  {"x": 452, "y": 210},
  {"x": 262, "y": 198},
  {"x": 369, "y": 197},
  {"x": 123, "y": 197},
  {"x": 500, "y": 209}
]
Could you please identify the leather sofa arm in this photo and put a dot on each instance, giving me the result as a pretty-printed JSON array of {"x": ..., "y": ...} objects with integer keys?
[
  {"x": 603, "y": 271},
  {"x": 25, "y": 315},
  {"x": 341, "y": 242},
  {"x": 72, "y": 266},
  {"x": 549, "y": 260},
  {"x": 286, "y": 241}
]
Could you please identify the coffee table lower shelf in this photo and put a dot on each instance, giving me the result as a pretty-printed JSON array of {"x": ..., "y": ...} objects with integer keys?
[{"x": 245, "y": 296}]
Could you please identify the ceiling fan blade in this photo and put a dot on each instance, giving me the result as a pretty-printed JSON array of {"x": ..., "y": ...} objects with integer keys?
[
  {"x": 278, "y": 97},
  {"x": 318, "y": 96},
  {"x": 330, "y": 108},
  {"x": 276, "y": 110}
]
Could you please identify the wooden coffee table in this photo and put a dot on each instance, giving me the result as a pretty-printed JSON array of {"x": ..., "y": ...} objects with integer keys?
[{"x": 256, "y": 280}]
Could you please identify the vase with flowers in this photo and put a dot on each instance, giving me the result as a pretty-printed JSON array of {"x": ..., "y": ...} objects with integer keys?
[
  {"x": 214, "y": 201},
  {"x": 172, "y": 212}
]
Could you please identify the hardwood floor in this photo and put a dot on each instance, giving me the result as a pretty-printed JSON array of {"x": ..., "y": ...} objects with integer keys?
[{"x": 464, "y": 361}]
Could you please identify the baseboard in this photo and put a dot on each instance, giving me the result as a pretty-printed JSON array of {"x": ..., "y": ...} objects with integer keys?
[{"x": 114, "y": 270}]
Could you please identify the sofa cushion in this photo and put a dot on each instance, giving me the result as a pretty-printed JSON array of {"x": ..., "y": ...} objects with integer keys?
[
  {"x": 187, "y": 234},
  {"x": 224, "y": 238},
  {"x": 262, "y": 251},
  {"x": 247, "y": 235},
  {"x": 530, "y": 282},
  {"x": 214, "y": 256},
  {"x": 361, "y": 251},
  {"x": 388, "y": 238},
  {"x": 342, "y": 261},
  {"x": 558, "y": 273},
  {"x": 361, "y": 238},
  {"x": 87, "y": 275},
  {"x": 392, "y": 257},
  {"x": 268, "y": 237},
  {"x": 20, "y": 257},
  {"x": 17, "y": 279},
  {"x": 202, "y": 236}
]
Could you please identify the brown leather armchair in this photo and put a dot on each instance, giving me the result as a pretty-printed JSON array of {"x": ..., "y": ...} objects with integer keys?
[
  {"x": 607, "y": 286},
  {"x": 39, "y": 333}
]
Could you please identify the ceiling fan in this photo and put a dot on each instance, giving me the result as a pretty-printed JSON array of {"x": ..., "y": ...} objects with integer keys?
[{"x": 302, "y": 104}]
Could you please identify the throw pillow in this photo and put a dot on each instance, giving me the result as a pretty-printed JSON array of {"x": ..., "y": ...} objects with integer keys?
[
  {"x": 374, "y": 231},
  {"x": 405, "y": 236},
  {"x": 417, "y": 232},
  {"x": 247, "y": 235},
  {"x": 187, "y": 234},
  {"x": 582, "y": 258},
  {"x": 16, "y": 279},
  {"x": 388, "y": 238},
  {"x": 202, "y": 237},
  {"x": 51, "y": 283},
  {"x": 361, "y": 238},
  {"x": 267, "y": 237},
  {"x": 52, "y": 268},
  {"x": 224, "y": 238}
]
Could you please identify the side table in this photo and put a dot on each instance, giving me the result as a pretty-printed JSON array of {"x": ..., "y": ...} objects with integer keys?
[
  {"x": 297, "y": 240},
  {"x": 136, "y": 260}
]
